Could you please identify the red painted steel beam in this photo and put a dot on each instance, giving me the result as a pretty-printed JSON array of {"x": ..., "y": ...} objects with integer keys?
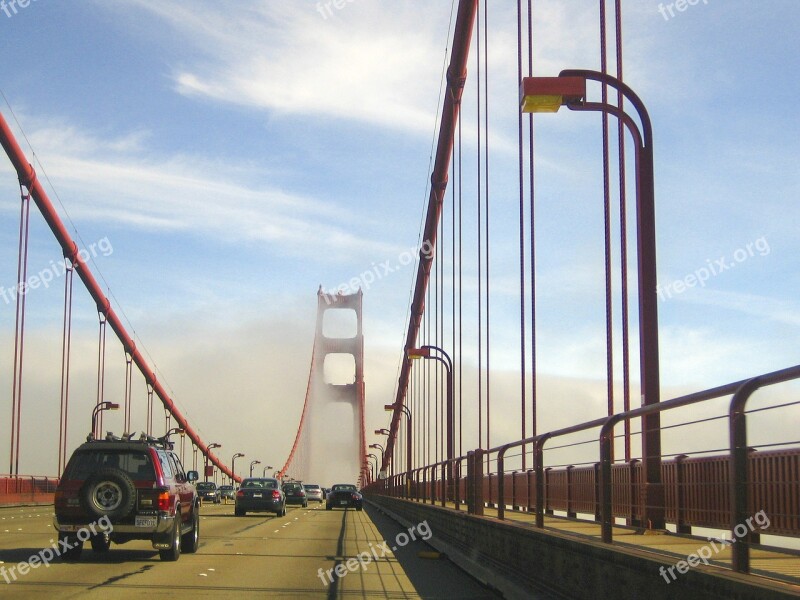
[
  {"x": 456, "y": 78},
  {"x": 27, "y": 177}
]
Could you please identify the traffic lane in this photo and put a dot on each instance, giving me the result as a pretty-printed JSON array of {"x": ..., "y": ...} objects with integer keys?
[
  {"x": 258, "y": 556},
  {"x": 231, "y": 558}
]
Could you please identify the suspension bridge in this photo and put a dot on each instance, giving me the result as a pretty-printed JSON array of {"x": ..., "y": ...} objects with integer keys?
[{"x": 637, "y": 499}]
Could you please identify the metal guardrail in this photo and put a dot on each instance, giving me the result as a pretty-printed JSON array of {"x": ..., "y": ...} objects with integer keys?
[
  {"x": 713, "y": 491},
  {"x": 23, "y": 489}
]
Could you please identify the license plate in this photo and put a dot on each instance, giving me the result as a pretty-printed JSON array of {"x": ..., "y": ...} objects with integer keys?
[
  {"x": 146, "y": 521},
  {"x": 68, "y": 528},
  {"x": 342, "y": 502},
  {"x": 258, "y": 495}
]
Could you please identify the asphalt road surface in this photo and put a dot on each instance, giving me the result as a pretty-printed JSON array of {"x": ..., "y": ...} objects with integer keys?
[{"x": 256, "y": 556}]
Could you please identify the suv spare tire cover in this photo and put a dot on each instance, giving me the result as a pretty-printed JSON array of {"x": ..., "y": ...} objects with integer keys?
[{"x": 108, "y": 493}]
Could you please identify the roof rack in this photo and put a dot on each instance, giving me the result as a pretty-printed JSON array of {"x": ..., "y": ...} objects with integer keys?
[{"x": 163, "y": 441}]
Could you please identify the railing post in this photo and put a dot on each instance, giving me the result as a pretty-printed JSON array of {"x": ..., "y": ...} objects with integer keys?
[
  {"x": 501, "y": 484},
  {"x": 443, "y": 485},
  {"x": 547, "y": 488},
  {"x": 531, "y": 488},
  {"x": 597, "y": 492},
  {"x": 737, "y": 427},
  {"x": 538, "y": 449},
  {"x": 457, "y": 483},
  {"x": 433, "y": 484},
  {"x": 634, "y": 514},
  {"x": 606, "y": 454},
  {"x": 680, "y": 495},
  {"x": 514, "y": 503},
  {"x": 570, "y": 480},
  {"x": 479, "y": 499}
]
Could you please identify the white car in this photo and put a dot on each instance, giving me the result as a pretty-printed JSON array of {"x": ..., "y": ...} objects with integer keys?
[{"x": 313, "y": 492}]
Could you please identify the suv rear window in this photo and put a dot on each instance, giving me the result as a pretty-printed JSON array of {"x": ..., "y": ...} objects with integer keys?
[{"x": 135, "y": 464}]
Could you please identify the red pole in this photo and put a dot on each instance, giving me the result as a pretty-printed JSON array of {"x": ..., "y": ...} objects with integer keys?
[{"x": 27, "y": 177}]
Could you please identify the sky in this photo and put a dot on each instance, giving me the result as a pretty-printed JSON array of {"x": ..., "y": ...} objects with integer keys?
[{"x": 219, "y": 161}]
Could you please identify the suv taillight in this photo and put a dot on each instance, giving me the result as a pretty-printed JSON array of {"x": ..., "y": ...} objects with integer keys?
[
  {"x": 276, "y": 494},
  {"x": 163, "y": 501}
]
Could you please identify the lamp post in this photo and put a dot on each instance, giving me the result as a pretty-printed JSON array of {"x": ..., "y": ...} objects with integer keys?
[
  {"x": 407, "y": 413},
  {"x": 209, "y": 447},
  {"x": 425, "y": 352},
  {"x": 233, "y": 464},
  {"x": 96, "y": 411},
  {"x": 548, "y": 94},
  {"x": 264, "y": 471},
  {"x": 373, "y": 466},
  {"x": 252, "y": 464},
  {"x": 384, "y": 431},
  {"x": 378, "y": 447}
]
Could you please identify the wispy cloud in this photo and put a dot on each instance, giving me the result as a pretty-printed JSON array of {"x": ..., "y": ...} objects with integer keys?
[
  {"x": 272, "y": 56},
  {"x": 120, "y": 180}
]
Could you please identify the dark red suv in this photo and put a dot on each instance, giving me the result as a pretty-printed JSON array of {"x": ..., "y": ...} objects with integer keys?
[{"x": 120, "y": 489}]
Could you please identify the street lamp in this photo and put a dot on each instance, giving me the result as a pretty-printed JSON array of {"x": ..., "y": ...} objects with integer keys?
[
  {"x": 252, "y": 464},
  {"x": 407, "y": 413},
  {"x": 233, "y": 465},
  {"x": 384, "y": 431},
  {"x": 373, "y": 466},
  {"x": 96, "y": 411},
  {"x": 381, "y": 448},
  {"x": 548, "y": 94},
  {"x": 264, "y": 472},
  {"x": 209, "y": 447},
  {"x": 425, "y": 352}
]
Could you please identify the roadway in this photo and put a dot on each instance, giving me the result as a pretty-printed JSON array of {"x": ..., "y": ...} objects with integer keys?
[{"x": 258, "y": 555}]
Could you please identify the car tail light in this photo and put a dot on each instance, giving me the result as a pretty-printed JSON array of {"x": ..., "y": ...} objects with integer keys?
[
  {"x": 276, "y": 494},
  {"x": 240, "y": 494},
  {"x": 355, "y": 496},
  {"x": 163, "y": 501}
]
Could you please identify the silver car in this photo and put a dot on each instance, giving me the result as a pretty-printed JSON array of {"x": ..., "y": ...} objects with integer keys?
[{"x": 313, "y": 492}]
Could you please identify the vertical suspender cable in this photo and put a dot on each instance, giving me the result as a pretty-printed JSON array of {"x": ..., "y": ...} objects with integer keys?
[
  {"x": 101, "y": 372},
  {"x": 66, "y": 344},
  {"x": 128, "y": 385},
  {"x": 150, "y": 410},
  {"x": 532, "y": 212},
  {"x": 479, "y": 224},
  {"x": 626, "y": 390},
  {"x": 607, "y": 218},
  {"x": 486, "y": 216},
  {"x": 460, "y": 302},
  {"x": 19, "y": 327},
  {"x": 523, "y": 365}
]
